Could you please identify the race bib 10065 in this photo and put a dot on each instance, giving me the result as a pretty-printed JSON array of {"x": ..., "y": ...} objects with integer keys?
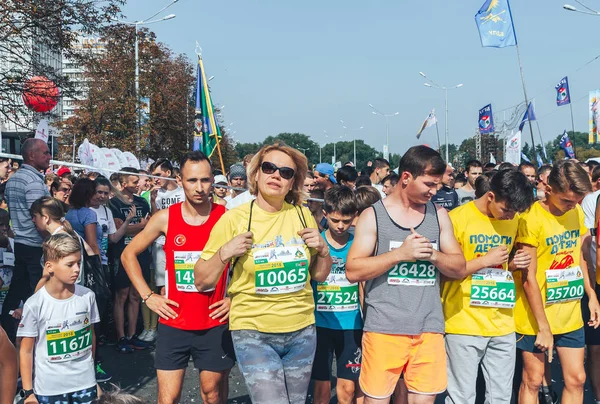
[
  {"x": 564, "y": 285},
  {"x": 493, "y": 287},
  {"x": 280, "y": 270},
  {"x": 416, "y": 273}
]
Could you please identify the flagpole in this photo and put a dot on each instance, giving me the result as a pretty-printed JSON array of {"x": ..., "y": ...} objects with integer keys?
[
  {"x": 439, "y": 144},
  {"x": 526, "y": 101},
  {"x": 210, "y": 113},
  {"x": 573, "y": 126}
]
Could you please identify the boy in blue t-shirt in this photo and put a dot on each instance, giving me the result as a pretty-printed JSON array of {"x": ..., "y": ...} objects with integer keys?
[{"x": 337, "y": 306}]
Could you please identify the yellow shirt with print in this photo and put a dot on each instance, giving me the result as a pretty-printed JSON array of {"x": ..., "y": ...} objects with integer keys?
[
  {"x": 477, "y": 234},
  {"x": 275, "y": 313},
  {"x": 558, "y": 243}
]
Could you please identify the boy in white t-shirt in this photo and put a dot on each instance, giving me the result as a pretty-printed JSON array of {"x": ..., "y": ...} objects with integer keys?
[{"x": 57, "y": 325}]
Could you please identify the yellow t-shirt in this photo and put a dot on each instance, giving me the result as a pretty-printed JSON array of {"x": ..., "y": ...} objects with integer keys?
[
  {"x": 558, "y": 243},
  {"x": 270, "y": 287},
  {"x": 477, "y": 234}
]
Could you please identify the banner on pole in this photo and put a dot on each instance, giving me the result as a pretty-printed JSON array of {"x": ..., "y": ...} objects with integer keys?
[
  {"x": 594, "y": 116},
  {"x": 429, "y": 121},
  {"x": 495, "y": 25},
  {"x": 563, "y": 95},
  {"x": 486, "y": 120},
  {"x": 513, "y": 149},
  {"x": 42, "y": 132},
  {"x": 566, "y": 145}
]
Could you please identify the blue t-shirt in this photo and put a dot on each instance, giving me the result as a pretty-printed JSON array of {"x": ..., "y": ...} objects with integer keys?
[
  {"x": 336, "y": 300},
  {"x": 79, "y": 218}
]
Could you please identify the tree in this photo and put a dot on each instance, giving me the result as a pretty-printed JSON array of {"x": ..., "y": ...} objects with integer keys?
[
  {"x": 28, "y": 26},
  {"x": 108, "y": 115}
]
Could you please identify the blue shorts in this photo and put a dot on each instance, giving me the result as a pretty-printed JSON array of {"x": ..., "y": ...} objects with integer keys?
[
  {"x": 573, "y": 339},
  {"x": 84, "y": 396}
]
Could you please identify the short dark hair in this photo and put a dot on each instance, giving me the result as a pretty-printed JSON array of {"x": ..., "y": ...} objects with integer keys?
[
  {"x": 380, "y": 163},
  {"x": 363, "y": 180},
  {"x": 366, "y": 196},
  {"x": 310, "y": 174},
  {"x": 393, "y": 178},
  {"x": 525, "y": 164},
  {"x": 340, "y": 199},
  {"x": 126, "y": 173},
  {"x": 596, "y": 174},
  {"x": 473, "y": 163},
  {"x": 163, "y": 164},
  {"x": 544, "y": 169},
  {"x": 482, "y": 183},
  {"x": 513, "y": 188},
  {"x": 490, "y": 166},
  {"x": 592, "y": 164},
  {"x": 194, "y": 157},
  {"x": 506, "y": 166},
  {"x": 567, "y": 175},
  {"x": 460, "y": 178},
  {"x": 422, "y": 160},
  {"x": 346, "y": 173},
  {"x": 317, "y": 194},
  {"x": 82, "y": 193}
]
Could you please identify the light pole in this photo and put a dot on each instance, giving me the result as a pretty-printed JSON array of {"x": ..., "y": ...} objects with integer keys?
[
  {"x": 433, "y": 84},
  {"x": 591, "y": 11},
  {"x": 136, "y": 24},
  {"x": 334, "y": 143},
  {"x": 386, "y": 154},
  {"x": 353, "y": 137}
]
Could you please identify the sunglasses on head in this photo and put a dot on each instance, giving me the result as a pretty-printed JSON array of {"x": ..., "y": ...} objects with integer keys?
[
  {"x": 65, "y": 190},
  {"x": 270, "y": 168}
]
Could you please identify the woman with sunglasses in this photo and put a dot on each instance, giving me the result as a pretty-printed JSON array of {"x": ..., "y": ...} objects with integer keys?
[{"x": 275, "y": 249}]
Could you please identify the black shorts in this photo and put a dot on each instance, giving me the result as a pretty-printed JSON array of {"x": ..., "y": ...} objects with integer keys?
[
  {"x": 122, "y": 280},
  {"x": 573, "y": 339},
  {"x": 210, "y": 349},
  {"x": 346, "y": 345},
  {"x": 592, "y": 335}
]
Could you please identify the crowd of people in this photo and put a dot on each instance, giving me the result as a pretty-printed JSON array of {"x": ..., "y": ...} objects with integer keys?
[{"x": 414, "y": 282}]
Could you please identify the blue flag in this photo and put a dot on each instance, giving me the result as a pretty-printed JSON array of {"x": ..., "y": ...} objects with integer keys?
[
  {"x": 524, "y": 157},
  {"x": 528, "y": 116},
  {"x": 486, "y": 120},
  {"x": 563, "y": 96},
  {"x": 566, "y": 145},
  {"x": 495, "y": 24},
  {"x": 540, "y": 161}
]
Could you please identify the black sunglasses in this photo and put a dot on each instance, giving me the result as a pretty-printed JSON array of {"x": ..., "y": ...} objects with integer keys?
[{"x": 270, "y": 168}]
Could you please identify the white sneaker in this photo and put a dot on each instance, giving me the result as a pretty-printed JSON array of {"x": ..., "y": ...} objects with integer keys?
[
  {"x": 151, "y": 335},
  {"x": 143, "y": 336}
]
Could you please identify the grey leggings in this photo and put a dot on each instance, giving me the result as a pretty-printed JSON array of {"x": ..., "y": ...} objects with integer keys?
[{"x": 276, "y": 367}]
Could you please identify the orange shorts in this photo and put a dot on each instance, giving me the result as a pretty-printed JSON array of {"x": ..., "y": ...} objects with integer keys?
[{"x": 422, "y": 359}]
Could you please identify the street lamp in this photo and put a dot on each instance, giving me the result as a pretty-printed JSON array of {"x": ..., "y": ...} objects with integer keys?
[
  {"x": 136, "y": 24},
  {"x": 591, "y": 11},
  {"x": 375, "y": 111},
  {"x": 353, "y": 137},
  {"x": 433, "y": 84}
]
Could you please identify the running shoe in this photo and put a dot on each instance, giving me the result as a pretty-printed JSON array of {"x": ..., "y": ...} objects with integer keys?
[
  {"x": 144, "y": 335},
  {"x": 136, "y": 343},
  {"x": 124, "y": 346},
  {"x": 101, "y": 375}
]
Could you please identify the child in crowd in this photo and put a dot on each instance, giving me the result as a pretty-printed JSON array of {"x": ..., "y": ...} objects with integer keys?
[
  {"x": 57, "y": 326},
  {"x": 337, "y": 312}
]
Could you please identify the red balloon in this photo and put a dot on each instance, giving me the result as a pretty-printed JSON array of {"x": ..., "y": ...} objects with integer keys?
[{"x": 40, "y": 94}]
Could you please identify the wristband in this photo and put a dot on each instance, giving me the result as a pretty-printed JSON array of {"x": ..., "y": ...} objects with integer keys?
[
  {"x": 221, "y": 259},
  {"x": 147, "y": 297}
]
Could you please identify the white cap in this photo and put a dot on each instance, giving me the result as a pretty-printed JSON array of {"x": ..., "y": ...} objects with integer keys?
[{"x": 220, "y": 179}]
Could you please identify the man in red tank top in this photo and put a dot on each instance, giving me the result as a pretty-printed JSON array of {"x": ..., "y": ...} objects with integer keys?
[{"x": 191, "y": 323}]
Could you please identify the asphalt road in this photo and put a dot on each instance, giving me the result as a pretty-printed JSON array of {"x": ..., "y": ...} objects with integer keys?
[{"x": 135, "y": 374}]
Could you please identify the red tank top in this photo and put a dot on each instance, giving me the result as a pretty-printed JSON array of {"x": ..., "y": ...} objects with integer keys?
[{"x": 183, "y": 246}]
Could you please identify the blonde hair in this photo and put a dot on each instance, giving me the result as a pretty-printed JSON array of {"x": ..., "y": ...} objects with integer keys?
[
  {"x": 59, "y": 246},
  {"x": 568, "y": 175},
  {"x": 296, "y": 194}
]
